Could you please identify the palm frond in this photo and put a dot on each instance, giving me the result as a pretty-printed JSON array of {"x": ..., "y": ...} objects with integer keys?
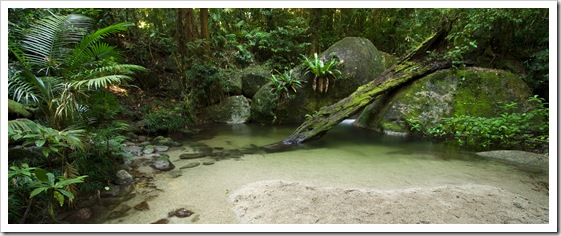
[
  {"x": 100, "y": 82},
  {"x": 50, "y": 39},
  {"x": 20, "y": 89}
]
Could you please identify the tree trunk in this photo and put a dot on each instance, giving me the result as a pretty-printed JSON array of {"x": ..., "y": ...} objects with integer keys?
[
  {"x": 205, "y": 33},
  {"x": 411, "y": 67},
  {"x": 315, "y": 20}
]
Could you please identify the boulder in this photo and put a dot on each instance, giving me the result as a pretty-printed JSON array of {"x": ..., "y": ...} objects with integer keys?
[
  {"x": 232, "y": 110},
  {"x": 528, "y": 160},
  {"x": 161, "y": 148},
  {"x": 447, "y": 93},
  {"x": 360, "y": 62},
  {"x": 148, "y": 149},
  {"x": 123, "y": 177},
  {"x": 253, "y": 78},
  {"x": 134, "y": 150},
  {"x": 163, "y": 163}
]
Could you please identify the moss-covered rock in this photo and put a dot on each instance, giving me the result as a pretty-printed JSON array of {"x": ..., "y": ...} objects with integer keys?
[
  {"x": 233, "y": 110},
  {"x": 388, "y": 59},
  {"x": 17, "y": 108},
  {"x": 447, "y": 93},
  {"x": 360, "y": 63},
  {"x": 253, "y": 78}
]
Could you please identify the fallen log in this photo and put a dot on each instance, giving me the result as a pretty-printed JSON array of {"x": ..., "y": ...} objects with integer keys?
[{"x": 413, "y": 66}]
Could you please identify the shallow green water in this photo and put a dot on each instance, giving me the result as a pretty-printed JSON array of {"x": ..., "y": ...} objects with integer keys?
[{"x": 346, "y": 157}]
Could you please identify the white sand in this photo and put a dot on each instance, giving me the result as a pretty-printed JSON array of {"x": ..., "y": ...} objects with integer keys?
[
  {"x": 285, "y": 202},
  {"x": 331, "y": 186}
]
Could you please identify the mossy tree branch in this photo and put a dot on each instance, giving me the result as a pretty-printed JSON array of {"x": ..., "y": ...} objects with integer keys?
[{"x": 413, "y": 66}]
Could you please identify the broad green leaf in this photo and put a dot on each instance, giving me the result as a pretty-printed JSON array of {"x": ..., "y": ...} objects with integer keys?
[
  {"x": 40, "y": 142},
  {"x": 37, "y": 191},
  {"x": 58, "y": 197},
  {"x": 41, "y": 175},
  {"x": 66, "y": 193}
]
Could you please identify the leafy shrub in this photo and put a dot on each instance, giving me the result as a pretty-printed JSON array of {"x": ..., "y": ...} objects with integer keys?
[
  {"x": 164, "y": 120},
  {"x": 283, "y": 83},
  {"x": 510, "y": 130},
  {"x": 206, "y": 85}
]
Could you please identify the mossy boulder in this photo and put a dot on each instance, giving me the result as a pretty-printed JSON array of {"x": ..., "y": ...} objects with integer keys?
[
  {"x": 17, "y": 109},
  {"x": 232, "y": 110},
  {"x": 447, "y": 93},
  {"x": 253, "y": 78},
  {"x": 360, "y": 63}
]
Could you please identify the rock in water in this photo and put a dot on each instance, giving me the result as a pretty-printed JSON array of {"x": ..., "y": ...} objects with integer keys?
[
  {"x": 181, "y": 213},
  {"x": 143, "y": 206},
  {"x": 232, "y": 110},
  {"x": 123, "y": 177},
  {"x": 163, "y": 163},
  {"x": 161, "y": 221},
  {"x": 148, "y": 149},
  {"x": 444, "y": 94},
  {"x": 190, "y": 165}
]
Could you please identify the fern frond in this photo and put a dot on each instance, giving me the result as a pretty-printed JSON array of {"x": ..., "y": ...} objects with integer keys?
[{"x": 100, "y": 82}]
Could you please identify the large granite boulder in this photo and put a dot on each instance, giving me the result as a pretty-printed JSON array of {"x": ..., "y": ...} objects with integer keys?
[
  {"x": 253, "y": 78},
  {"x": 232, "y": 110},
  {"x": 360, "y": 63},
  {"x": 447, "y": 93}
]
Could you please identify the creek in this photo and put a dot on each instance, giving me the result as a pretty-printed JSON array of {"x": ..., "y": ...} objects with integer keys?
[{"x": 347, "y": 157}]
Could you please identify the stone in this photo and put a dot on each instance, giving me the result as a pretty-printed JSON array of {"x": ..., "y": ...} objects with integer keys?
[
  {"x": 208, "y": 162},
  {"x": 192, "y": 155},
  {"x": 163, "y": 163},
  {"x": 142, "y": 206},
  {"x": 17, "y": 108},
  {"x": 161, "y": 221},
  {"x": 123, "y": 178},
  {"x": 360, "y": 63},
  {"x": 175, "y": 173},
  {"x": 181, "y": 213},
  {"x": 161, "y": 148},
  {"x": 148, "y": 149},
  {"x": 83, "y": 214},
  {"x": 232, "y": 110},
  {"x": 134, "y": 150},
  {"x": 525, "y": 159},
  {"x": 476, "y": 92},
  {"x": 161, "y": 140},
  {"x": 112, "y": 191},
  {"x": 190, "y": 165},
  {"x": 253, "y": 78}
]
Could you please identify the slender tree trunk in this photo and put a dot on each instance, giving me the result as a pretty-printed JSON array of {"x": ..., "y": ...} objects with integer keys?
[
  {"x": 205, "y": 33},
  {"x": 413, "y": 66},
  {"x": 315, "y": 22}
]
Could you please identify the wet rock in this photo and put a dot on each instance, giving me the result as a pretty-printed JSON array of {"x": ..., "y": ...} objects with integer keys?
[
  {"x": 112, "y": 191},
  {"x": 192, "y": 155},
  {"x": 190, "y": 165},
  {"x": 123, "y": 177},
  {"x": 181, "y": 213},
  {"x": 161, "y": 221},
  {"x": 82, "y": 214},
  {"x": 143, "y": 206},
  {"x": 142, "y": 144},
  {"x": 232, "y": 110},
  {"x": 163, "y": 163},
  {"x": 161, "y": 140},
  {"x": 148, "y": 149},
  {"x": 134, "y": 150},
  {"x": 528, "y": 160},
  {"x": 208, "y": 162},
  {"x": 175, "y": 173},
  {"x": 120, "y": 212},
  {"x": 161, "y": 148}
]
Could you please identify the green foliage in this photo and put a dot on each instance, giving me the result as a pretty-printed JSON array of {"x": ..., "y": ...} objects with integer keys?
[
  {"x": 322, "y": 71},
  {"x": 283, "y": 83},
  {"x": 46, "y": 139},
  {"x": 206, "y": 85},
  {"x": 57, "y": 62},
  {"x": 529, "y": 130},
  {"x": 101, "y": 106},
  {"x": 164, "y": 120},
  {"x": 47, "y": 183}
]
